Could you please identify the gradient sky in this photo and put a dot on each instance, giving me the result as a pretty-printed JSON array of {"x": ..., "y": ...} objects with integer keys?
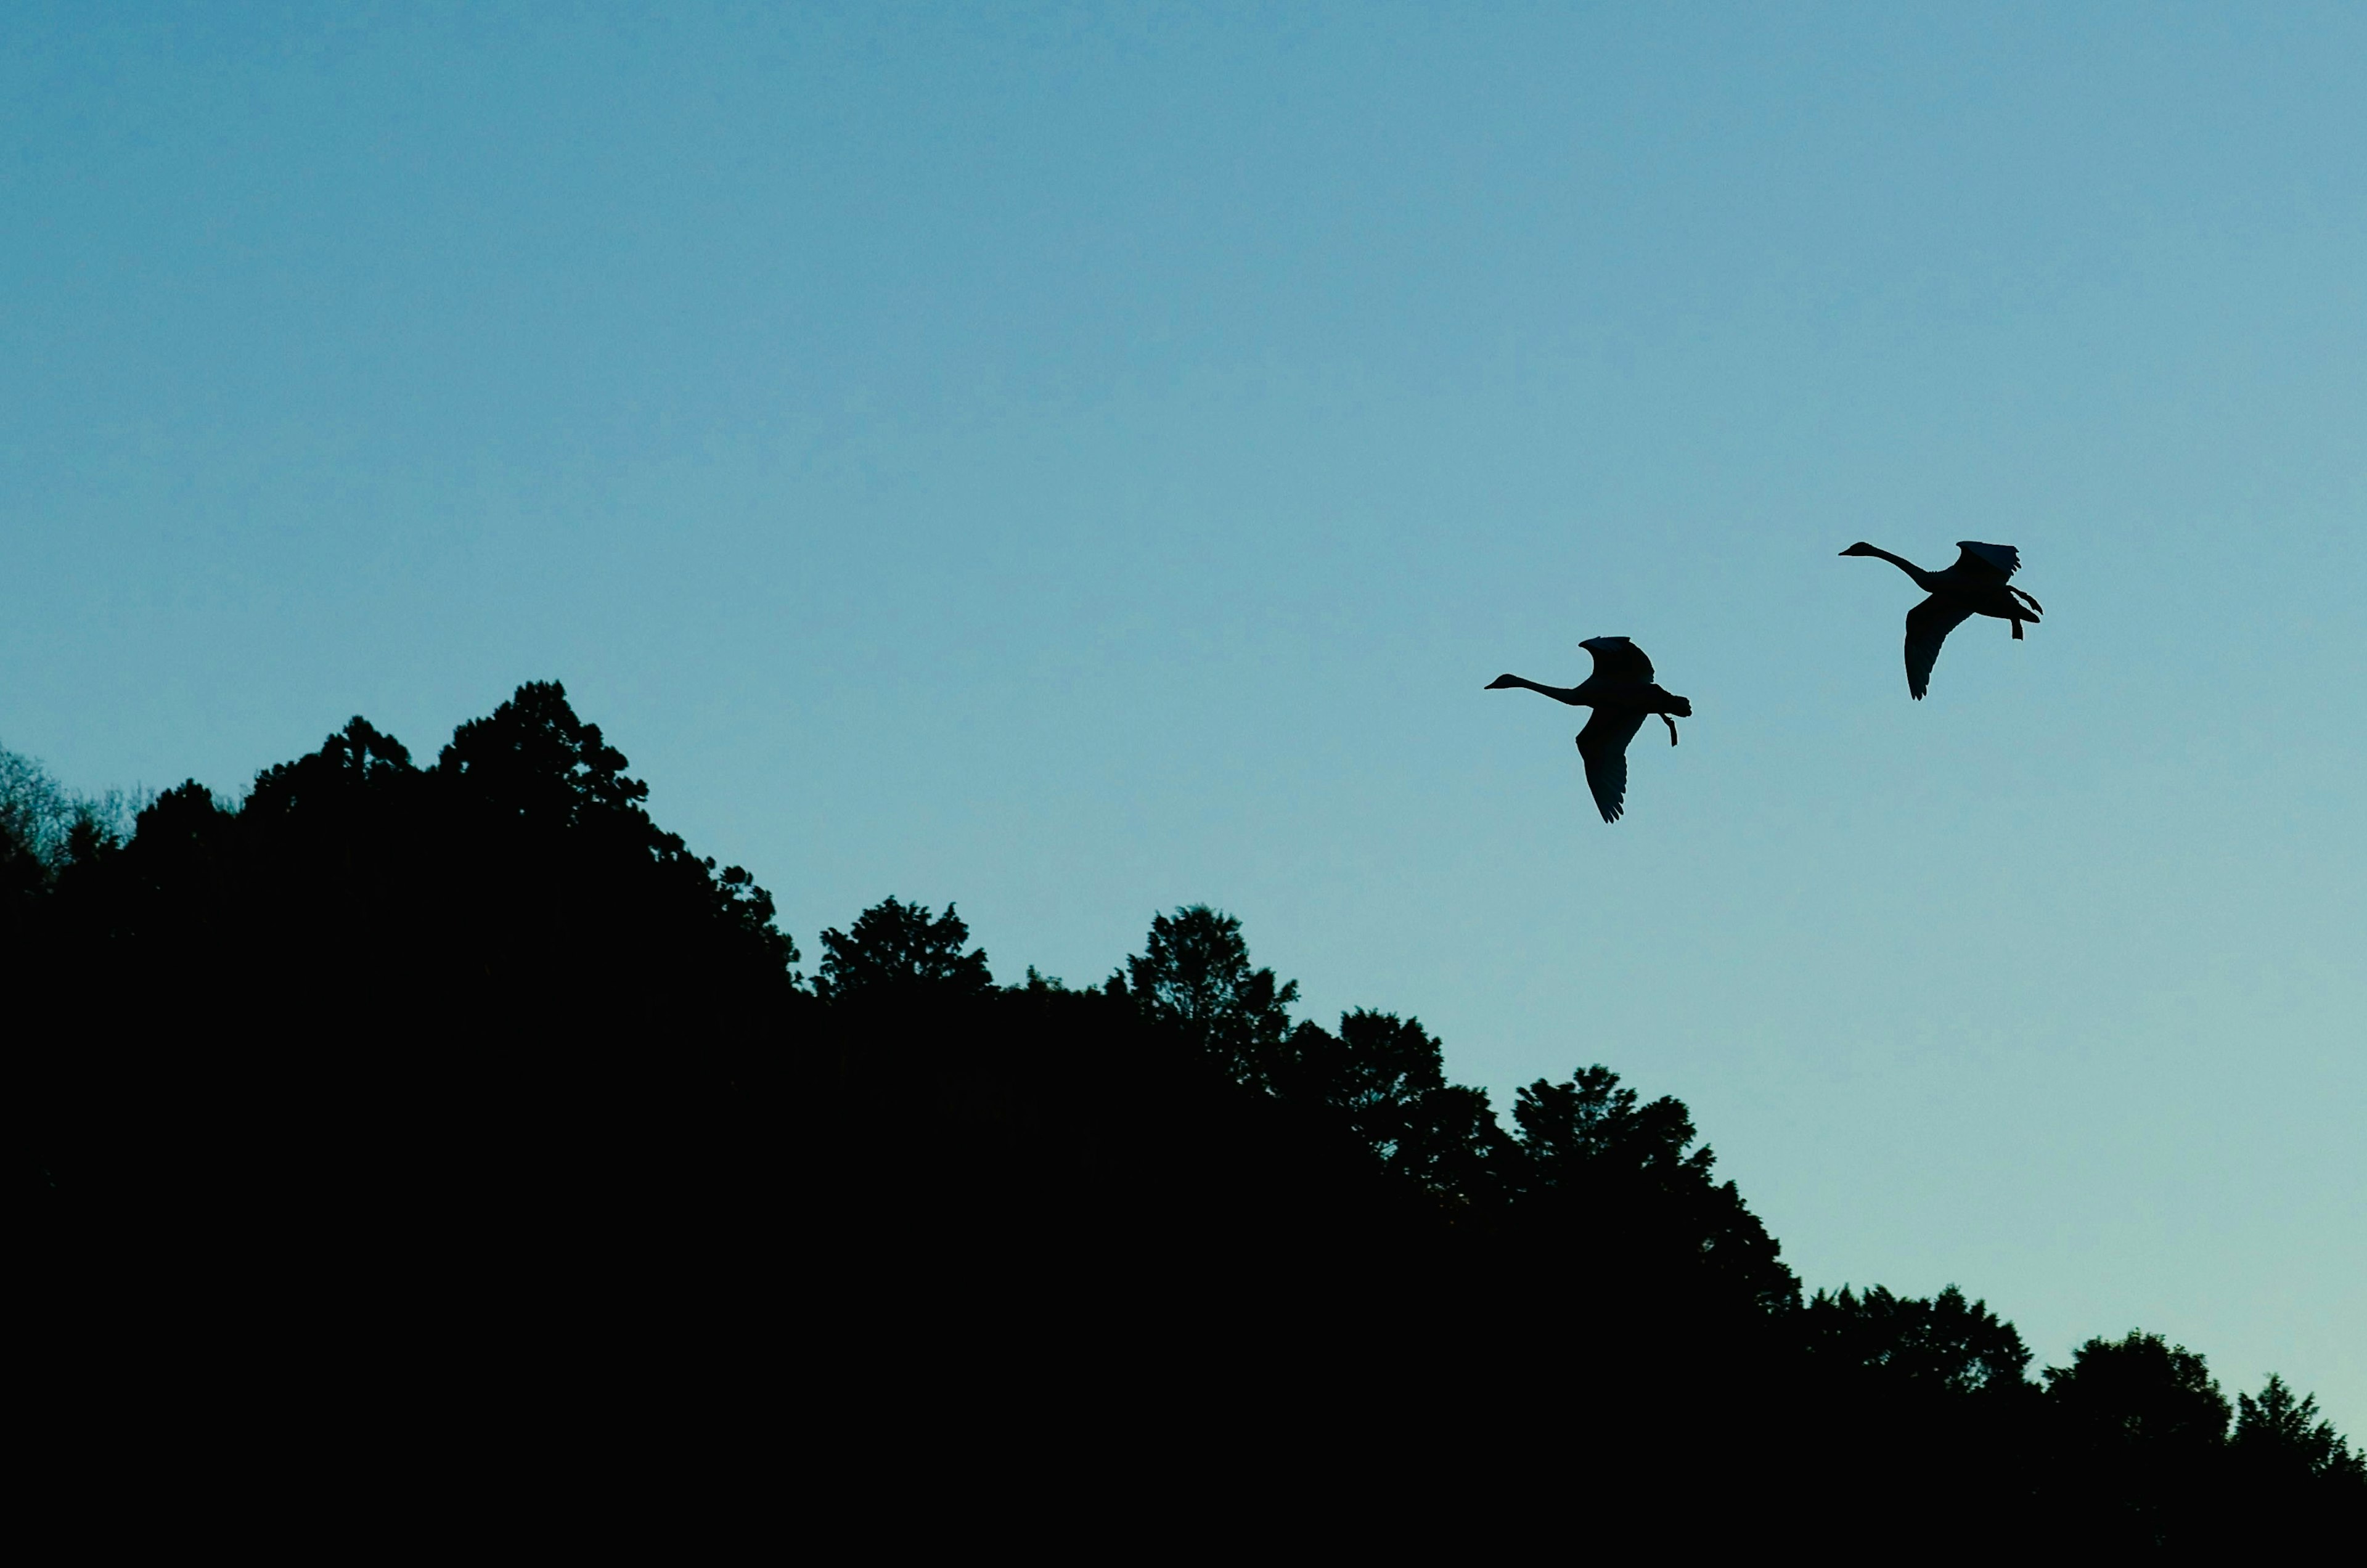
[{"x": 1080, "y": 460}]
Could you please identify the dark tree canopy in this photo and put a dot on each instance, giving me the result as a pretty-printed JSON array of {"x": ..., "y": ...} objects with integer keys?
[
  {"x": 1590, "y": 1149},
  {"x": 1943, "y": 1344},
  {"x": 2144, "y": 1422},
  {"x": 1194, "y": 975},
  {"x": 479, "y": 1043},
  {"x": 2286, "y": 1447},
  {"x": 2142, "y": 1393},
  {"x": 1383, "y": 1080},
  {"x": 895, "y": 948},
  {"x": 501, "y": 960},
  {"x": 534, "y": 760}
]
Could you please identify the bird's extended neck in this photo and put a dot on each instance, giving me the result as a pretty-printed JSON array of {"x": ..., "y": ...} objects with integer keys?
[
  {"x": 1558, "y": 693},
  {"x": 1922, "y": 579}
]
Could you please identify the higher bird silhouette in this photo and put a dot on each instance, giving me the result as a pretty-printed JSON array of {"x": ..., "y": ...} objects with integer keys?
[
  {"x": 1975, "y": 585},
  {"x": 1622, "y": 693}
]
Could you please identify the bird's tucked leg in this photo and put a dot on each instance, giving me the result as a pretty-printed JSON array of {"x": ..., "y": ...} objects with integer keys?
[
  {"x": 2017, "y": 631},
  {"x": 1672, "y": 727}
]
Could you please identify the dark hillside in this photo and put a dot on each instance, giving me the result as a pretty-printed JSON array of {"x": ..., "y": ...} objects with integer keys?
[{"x": 469, "y": 1076}]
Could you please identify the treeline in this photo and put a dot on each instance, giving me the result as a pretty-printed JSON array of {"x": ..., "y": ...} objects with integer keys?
[{"x": 475, "y": 1045}]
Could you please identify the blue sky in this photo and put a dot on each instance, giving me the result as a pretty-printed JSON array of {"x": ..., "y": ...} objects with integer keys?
[{"x": 1079, "y": 460}]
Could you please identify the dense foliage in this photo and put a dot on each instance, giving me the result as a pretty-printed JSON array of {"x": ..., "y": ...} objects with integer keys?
[{"x": 482, "y": 1030}]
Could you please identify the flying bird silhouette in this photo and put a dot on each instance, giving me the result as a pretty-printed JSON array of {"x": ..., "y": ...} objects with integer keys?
[
  {"x": 1622, "y": 695},
  {"x": 1975, "y": 585}
]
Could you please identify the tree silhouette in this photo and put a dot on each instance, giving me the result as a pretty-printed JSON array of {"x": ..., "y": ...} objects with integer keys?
[
  {"x": 1193, "y": 974},
  {"x": 1590, "y": 1154},
  {"x": 483, "y": 1032},
  {"x": 1383, "y": 1080},
  {"x": 2143, "y": 1391},
  {"x": 1942, "y": 1343},
  {"x": 2295, "y": 1480},
  {"x": 2281, "y": 1437},
  {"x": 2143, "y": 1423},
  {"x": 46, "y": 831},
  {"x": 894, "y": 948},
  {"x": 535, "y": 781},
  {"x": 370, "y": 989},
  {"x": 1924, "y": 1403},
  {"x": 28, "y": 803}
]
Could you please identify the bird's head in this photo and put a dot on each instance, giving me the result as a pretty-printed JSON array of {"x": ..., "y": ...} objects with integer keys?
[
  {"x": 1500, "y": 682},
  {"x": 1861, "y": 548}
]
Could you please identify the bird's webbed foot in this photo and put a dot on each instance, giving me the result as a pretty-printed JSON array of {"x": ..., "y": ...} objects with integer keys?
[
  {"x": 1672, "y": 727},
  {"x": 2017, "y": 631}
]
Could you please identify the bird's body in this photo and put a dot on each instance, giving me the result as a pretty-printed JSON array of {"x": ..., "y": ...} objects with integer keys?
[
  {"x": 1622, "y": 695},
  {"x": 1975, "y": 585}
]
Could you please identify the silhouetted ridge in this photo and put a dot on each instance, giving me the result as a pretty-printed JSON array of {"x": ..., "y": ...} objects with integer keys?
[{"x": 511, "y": 1087}]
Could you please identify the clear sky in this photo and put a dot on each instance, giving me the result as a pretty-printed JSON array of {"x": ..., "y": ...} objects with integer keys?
[{"x": 1079, "y": 460}]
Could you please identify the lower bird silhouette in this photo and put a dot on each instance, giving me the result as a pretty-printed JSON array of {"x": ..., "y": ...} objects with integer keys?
[
  {"x": 1622, "y": 693},
  {"x": 1975, "y": 585}
]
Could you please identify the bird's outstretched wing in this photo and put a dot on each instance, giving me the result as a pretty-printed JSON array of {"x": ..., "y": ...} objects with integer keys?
[
  {"x": 1977, "y": 560},
  {"x": 1616, "y": 659},
  {"x": 1928, "y": 626},
  {"x": 1604, "y": 744}
]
